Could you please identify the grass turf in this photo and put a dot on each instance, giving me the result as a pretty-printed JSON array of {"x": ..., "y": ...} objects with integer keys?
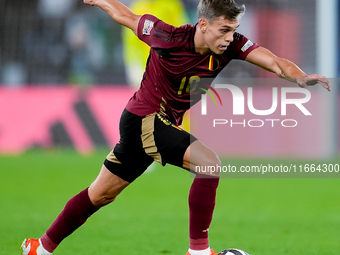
[{"x": 260, "y": 215}]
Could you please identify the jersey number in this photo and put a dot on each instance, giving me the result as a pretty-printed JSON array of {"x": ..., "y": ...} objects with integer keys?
[{"x": 189, "y": 86}]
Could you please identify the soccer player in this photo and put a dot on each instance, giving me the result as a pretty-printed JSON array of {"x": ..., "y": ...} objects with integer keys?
[{"x": 149, "y": 124}]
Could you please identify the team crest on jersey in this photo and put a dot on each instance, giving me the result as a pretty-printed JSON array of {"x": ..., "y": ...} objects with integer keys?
[
  {"x": 247, "y": 46},
  {"x": 213, "y": 63},
  {"x": 148, "y": 25}
]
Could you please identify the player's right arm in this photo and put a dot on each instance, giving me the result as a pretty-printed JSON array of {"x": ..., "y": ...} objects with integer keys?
[{"x": 119, "y": 12}]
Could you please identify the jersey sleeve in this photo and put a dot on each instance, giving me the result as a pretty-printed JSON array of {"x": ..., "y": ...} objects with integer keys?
[
  {"x": 158, "y": 34},
  {"x": 242, "y": 46}
]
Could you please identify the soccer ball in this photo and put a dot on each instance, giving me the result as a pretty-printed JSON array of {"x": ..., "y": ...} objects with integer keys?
[{"x": 233, "y": 252}]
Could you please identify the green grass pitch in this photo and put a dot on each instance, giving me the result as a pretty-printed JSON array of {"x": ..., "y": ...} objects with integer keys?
[{"x": 263, "y": 216}]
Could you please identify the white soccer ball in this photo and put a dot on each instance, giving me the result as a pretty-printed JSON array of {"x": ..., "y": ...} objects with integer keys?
[{"x": 233, "y": 252}]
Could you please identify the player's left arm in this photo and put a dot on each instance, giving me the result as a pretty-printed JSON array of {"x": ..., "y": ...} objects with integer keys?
[
  {"x": 284, "y": 68},
  {"x": 119, "y": 12}
]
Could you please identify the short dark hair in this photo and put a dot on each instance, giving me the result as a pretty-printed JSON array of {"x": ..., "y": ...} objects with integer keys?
[{"x": 212, "y": 9}]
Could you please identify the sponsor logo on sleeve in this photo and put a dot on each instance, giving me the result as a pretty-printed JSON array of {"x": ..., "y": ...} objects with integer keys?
[
  {"x": 148, "y": 25},
  {"x": 247, "y": 46}
]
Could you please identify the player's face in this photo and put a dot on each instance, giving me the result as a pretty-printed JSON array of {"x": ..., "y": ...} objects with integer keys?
[{"x": 219, "y": 34}]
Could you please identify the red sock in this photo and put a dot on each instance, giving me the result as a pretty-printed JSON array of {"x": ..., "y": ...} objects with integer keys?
[
  {"x": 77, "y": 210},
  {"x": 201, "y": 205}
]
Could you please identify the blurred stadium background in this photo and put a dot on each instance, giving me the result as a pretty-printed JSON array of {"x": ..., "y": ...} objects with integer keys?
[{"x": 64, "y": 78}]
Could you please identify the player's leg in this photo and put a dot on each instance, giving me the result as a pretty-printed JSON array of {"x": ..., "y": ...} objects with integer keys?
[
  {"x": 77, "y": 210},
  {"x": 106, "y": 188},
  {"x": 122, "y": 166},
  {"x": 180, "y": 148},
  {"x": 202, "y": 195},
  {"x": 200, "y": 159}
]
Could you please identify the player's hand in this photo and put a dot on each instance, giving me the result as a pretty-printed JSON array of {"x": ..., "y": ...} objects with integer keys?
[
  {"x": 90, "y": 2},
  {"x": 313, "y": 79}
]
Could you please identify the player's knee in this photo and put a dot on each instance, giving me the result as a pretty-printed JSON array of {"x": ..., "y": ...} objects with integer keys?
[
  {"x": 213, "y": 160},
  {"x": 210, "y": 164},
  {"x": 103, "y": 200},
  {"x": 104, "y": 197}
]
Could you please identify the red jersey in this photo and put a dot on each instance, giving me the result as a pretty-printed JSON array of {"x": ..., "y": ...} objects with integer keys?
[{"x": 171, "y": 81}]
